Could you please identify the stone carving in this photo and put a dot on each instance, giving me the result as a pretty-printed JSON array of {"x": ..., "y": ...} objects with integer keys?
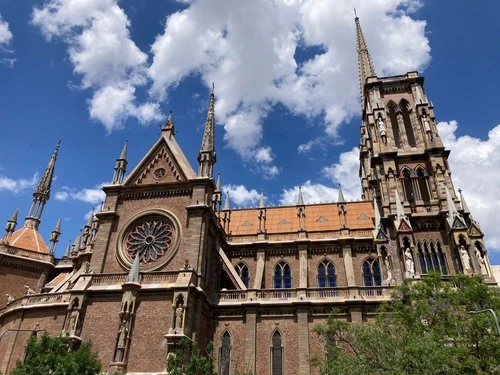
[
  {"x": 427, "y": 125},
  {"x": 381, "y": 129},
  {"x": 10, "y": 299},
  {"x": 149, "y": 239},
  {"x": 464, "y": 256},
  {"x": 29, "y": 291},
  {"x": 388, "y": 266},
  {"x": 179, "y": 315},
  {"x": 481, "y": 262},
  {"x": 121, "y": 340},
  {"x": 409, "y": 264}
]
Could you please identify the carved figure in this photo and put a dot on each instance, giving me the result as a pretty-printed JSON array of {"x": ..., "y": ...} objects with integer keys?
[
  {"x": 10, "y": 299},
  {"x": 73, "y": 321},
  {"x": 410, "y": 266},
  {"x": 464, "y": 255},
  {"x": 481, "y": 262},
  {"x": 427, "y": 125},
  {"x": 381, "y": 129},
  {"x": 179, "y": 314},
  {"x": 388, "y": 266},
  {"x": 122, "y": 334},
  {"x": 29, "y": 291}
]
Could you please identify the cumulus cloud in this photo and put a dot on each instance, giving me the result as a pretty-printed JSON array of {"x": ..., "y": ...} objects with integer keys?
[
  {"x": 475, "y": 167},
  {"x": 103, "y": 55},
  {"x": 5, "y": 33},
  {"x": 88, "y": 195},
  {"x": 346, "y": 173},
  {"x": 256, "y": 67},
  {"x": 16, "y": 186},
  {"x": 239, "y": 195},
  {"x": 311, "y": 193}
]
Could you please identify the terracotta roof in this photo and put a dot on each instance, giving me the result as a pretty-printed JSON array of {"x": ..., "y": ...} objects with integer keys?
[
  {"x": 318, "y": 217},
  {"x": 28, "y": 239},
  {"x": 58, "y": 279}
]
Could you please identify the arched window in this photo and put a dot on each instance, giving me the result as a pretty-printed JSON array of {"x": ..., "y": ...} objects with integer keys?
[
  {"x": 277, "y": 355},
  {"x": 371, "y": 273},
  {"x": 225, "y": 354},
  {"x": 282, "y": 276},
  {"x": 432, "y": 258},
  {"x": 326, "y": 275},
  {"x": 242, "y": 270},
  {"x": 405, "y": 109},
  {"x": 408, "y": 186},
  {"x": 422, "y": 185},
  {"x": 394, "y": 124}
]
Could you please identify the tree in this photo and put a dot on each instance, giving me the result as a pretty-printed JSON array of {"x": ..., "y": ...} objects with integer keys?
[
  {"x": 188, "y": 359},
  {"x": 51, "y": 355},
  {"x": 427, "y": 328}
]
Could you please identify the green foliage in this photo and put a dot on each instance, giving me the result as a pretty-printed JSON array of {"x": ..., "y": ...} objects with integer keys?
[
  {"x": 427, "y": 328},
  {"x": 188, "y": 359},
  {"x": 50, "y": 355}
]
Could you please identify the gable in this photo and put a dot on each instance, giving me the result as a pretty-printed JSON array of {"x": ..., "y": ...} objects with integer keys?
[
  {"x": 404, "y": 227},
  {"x": 475, "y": 231},
  {"x": 458, "y": 223},
  {"x": 164, "y": 163}
]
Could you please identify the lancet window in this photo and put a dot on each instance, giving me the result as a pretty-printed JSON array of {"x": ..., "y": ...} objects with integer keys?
[
  {"x": 326, "y": 274},
  {"x": 242, "y": 270},
  {"x": 405, "y": 110},
  {"x": 371, "y": 273},
  {"x": 432, "y": 258},
  {"x": 225, "y": 354},
  {"x": 277, "y": 354},
  {"x": 282, "y": 275},
  {"x": 394, "y": 124}
]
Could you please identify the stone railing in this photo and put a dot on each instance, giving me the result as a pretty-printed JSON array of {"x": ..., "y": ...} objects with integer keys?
[
  {"x": 146, "y": 278},
  {"x": 26, "y": 253},
  {"x": 38, "y": 299},
  {"x": 339, "y": 294}
]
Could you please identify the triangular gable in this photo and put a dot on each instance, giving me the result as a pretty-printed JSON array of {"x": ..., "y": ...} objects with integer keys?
[
  {"x": 475, "y": 231},
  {"x": 458, "y": 223},
  {"x": 381, "y": 236},
  {"x": 164, "y": 163},
  {"x": 404, "y": 227}
]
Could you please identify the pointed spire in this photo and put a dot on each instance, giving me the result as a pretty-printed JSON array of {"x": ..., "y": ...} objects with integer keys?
[
  {"x": 168, "y": 126},
  {"x": 42, "y": 193},
  {"x": 455, "y": 219},
  {"x": 76, "y": 245},
  {"x": 67, "y": 253},
  {"x": 464, "y": 203},
  {"x": 377, "y": 212},
  {"x": 261, "y": 201},
  {"x": 226, "y": 203},
  {"x": 207, "y": 157},
  {"x": 217, "y": 185},
  {"x": 120, "y": 166},
  {"x": 379, "y": 233},
  {"x": 54, "y": 237},
  {"x": 341, "y": 195},
  {"x": 400, "y": 214},
  {"x": 364, "y": 60},
  {"x": 133, "y": 275},
  {"x": 300, "y": 200},
  {"x": 10, "y": 227}
]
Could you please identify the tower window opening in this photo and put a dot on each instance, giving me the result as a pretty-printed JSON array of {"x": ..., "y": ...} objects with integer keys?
[
  {"x": 394, "y": 125},
  {"x": 326, "y": 275},
  {"x": 407, "y": 122},
  {"x": 423, "y": 185},
  {"x": 371, "y": 273},
  {"x": 225, "y": 354}
]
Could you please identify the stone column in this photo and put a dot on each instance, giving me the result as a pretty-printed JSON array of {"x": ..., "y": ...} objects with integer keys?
[
  {"x": 303, "y": 340},
  {"x": 250, "y": 336},
  {"x": 303, "y": 266}
]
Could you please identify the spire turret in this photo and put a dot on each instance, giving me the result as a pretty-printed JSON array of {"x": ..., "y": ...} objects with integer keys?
[
  {"x": 401, "y": 221},
  {"x": 341, "y": 195},
  {"x": 364, "y": 60},
  {"x": 455, "y": 219},
  {"x": 464, "y": 203},
  {"x": 42, "y": 193},
  {"x": 226, "y": 203},
  {"x": 10, "y": 227},
  {"x": 54, "y": 237},
  {"x": 207, "y": 157},
  {"x": 300, "y": 200},
  {"x": 262, "y": 203},
  {"x": 133, "y": 275},
  {"x": 120, "y": 166}
]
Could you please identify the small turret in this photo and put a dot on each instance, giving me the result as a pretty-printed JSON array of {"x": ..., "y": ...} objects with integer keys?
[
  {"x": 206, "y": 156},
  {"x": 54, "y": 237},
  {"x": 10, "y": 227},
  {"x": 120, "y": 166}
]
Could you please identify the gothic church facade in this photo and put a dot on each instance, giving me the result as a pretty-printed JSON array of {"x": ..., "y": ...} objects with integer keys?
[{"x": 165, "y": 258}]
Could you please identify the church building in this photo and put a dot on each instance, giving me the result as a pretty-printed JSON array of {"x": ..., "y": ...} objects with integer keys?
[{"x": 167, "y": 257}]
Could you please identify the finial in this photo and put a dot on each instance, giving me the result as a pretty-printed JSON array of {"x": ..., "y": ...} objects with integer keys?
[
  {"x": 355, "y": 15},
  {"x": 169, "y": 124},
  {"x": 341, "y": 194},
  {"x": 261, "y": 201},
  {"x": 217, "y": 185},
  {"x": 226, "y": 203},
  {"x": 213, "y": 89},
  {"x": 300, "y": 200}
]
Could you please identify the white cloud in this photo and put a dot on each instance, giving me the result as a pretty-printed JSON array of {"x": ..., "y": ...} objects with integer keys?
[
  {"x": 475, "y": 167},
  {"x": 5, "y": 33},
  {"x": 255, "y": 65},
  {"x": 240, "y": 195},
  {"x": 16, "y": 186},
  {"x": 89, "y": 195},
  {"x": 103, "y": 55},
  {"x": 311, "y": 193},
  {"x": 346, "y": 173}
]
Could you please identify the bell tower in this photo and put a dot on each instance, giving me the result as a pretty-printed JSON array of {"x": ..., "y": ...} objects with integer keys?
[{"x": 404, "y": 169}]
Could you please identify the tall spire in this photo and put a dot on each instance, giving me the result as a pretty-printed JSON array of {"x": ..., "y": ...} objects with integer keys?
[
  {"x": 120, "y": 166},
  {"x": 42, "y": 193},
  {"x": 364, "y": 60},
  {"x": 341, "y": 194},
  {"x": 455, "y": 219},
  {"x": 207, "y": 157}
]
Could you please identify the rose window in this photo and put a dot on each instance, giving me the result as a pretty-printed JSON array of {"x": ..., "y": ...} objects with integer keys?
[{"x": 150, "y": 240}]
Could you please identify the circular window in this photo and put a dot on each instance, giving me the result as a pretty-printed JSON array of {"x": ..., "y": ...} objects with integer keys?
[
  {"x": 160, "y": 173},
  {"x": 152, "y": 236}
]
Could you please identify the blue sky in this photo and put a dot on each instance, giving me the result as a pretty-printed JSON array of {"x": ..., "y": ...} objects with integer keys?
[{"x": 94, "y": 73}]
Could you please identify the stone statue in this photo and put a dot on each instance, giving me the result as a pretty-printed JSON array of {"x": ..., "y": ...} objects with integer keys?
[
  {"x": 481, "y": 262},
  {"x": 10, "y": 299},
  {"x": 179, "y": 314},
  {"x": 73, "y": 321},
  {"x": 427, "y": 125},
  {"x": 410, "y": 266},
  {"x": 464, "y": 255},
  {"x": 29, "y": 291},
  {"x": 388, "y": 266},
  {"x": 381, "y": 129}
]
